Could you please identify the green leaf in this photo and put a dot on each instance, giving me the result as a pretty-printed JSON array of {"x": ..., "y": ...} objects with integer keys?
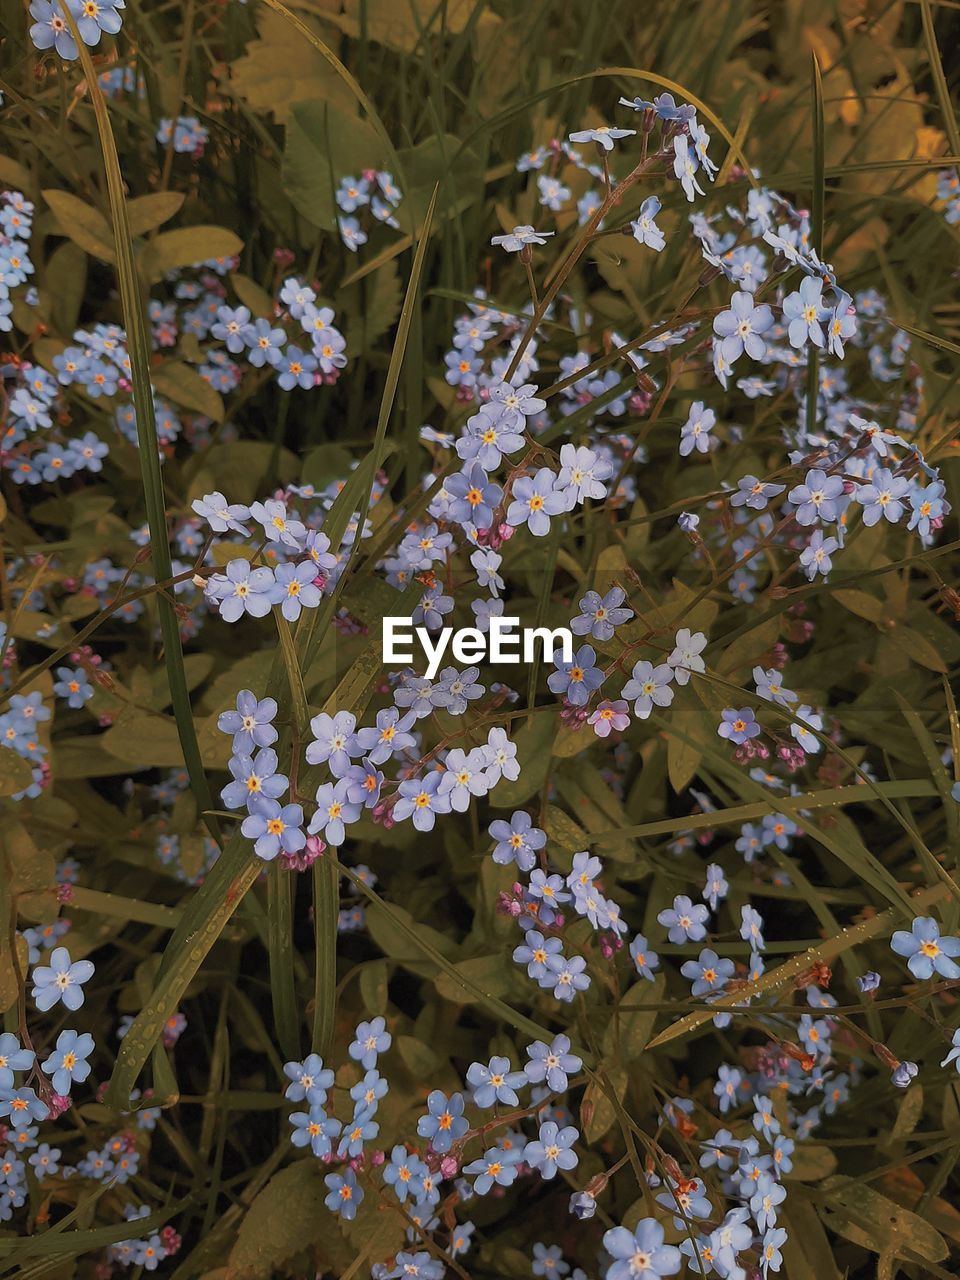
[
  {"x": 252, "y": 295},
  {"x": 146, "y": 213},
  {"x": 439, "y": 161},
  {"x": 598, "y": 1111},
  {"x": 858, "y": 1213},
  {"x": 82, "y": 223},
  {"x": 287, "y": 1217},
  {"x": 15, "y": 772},
  {"x": 373, "y": 987},
  {"x": 179, "y": 383},
  {"x": 186, "y": 247},
  {"x": 533, "y": 742},
  {"x": 488, "y": 974},
  {"x": 323, "y": 142},
  {"x": 627, "y": 1034}
]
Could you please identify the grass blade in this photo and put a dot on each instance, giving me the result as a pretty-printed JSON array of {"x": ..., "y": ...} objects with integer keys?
[{"x": 131, "y": 299}]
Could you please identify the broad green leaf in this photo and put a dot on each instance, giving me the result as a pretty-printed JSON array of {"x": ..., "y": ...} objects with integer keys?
[
  {"x": 187, "y": 247},
  {"x": 858, "y": 1213},
  {"x": 179, "y": 383},
  {"x": 324, "y": 142},
  {"x": 82, "y": 223},
  {"x": 15, "y": 772},
  {"x": 146, "y": 213}
]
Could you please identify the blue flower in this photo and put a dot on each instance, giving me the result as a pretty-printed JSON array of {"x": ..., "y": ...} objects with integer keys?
[
  {"x": 708, "y": 972},
  {"x": 645, "y": 229},
  {"x": 754, "y": 493},
  {"x": 405, "y": 1173},
  {"x": 815, "y": 557},
  {"x": 489, "y": 435},
  {"x": 421, "y": 799},
  {"x": 582, "y": 472},
  {"x": 645, "y": 960},
  {"x": 552, "y": 1149},
  {"x": 777, "y": 829},
  {"x": 309, "y": 1080},
  {"x": 820, "y": 497},
  {"x": 345, "y": 1194},
  {"x": 548, "y": 1261},
  {"x": 535, "y": 951},
  {"x": 22, "y": 1106},
  {"x": 929, "y": 506},
  {"x": 253, "y": 778},
  {"x": 566, "y": 976},
  {"x": 231, "y": 329},
  {"x": 444, "y": 1124},
  {"x": 695, "y": 432},
  {"x": 729, "y": 1081},
  {"x": 535, "y": 501},
  {"x": 649, "y": 686},
  {"x": 351, "y": 233},
  {"x": 520, "y": 238},
  {"x": 804, "y": 311},
  {"x": 716, "y": 888},
  {"x": 738, "y": 726},
  {"x": 903, "y": 1074},
  {"x": 334, "y": 810},
  {"x": 685, "y": 920},
  {"x": 242, "y": 589},
  {"x": 274, "y": 828},
  {"x": 297, "y": 589},
  {"x": 583, "y": 1205},
  {"x": 842, "y": 325},
  {"x": 771, "y": 1259},
  {"x": 272, "y": 516},
  {"x": 464, "y": 776},
  {"x": 474, "y": 496},
  {"x": 315, "y": 1129},
  {"x": 599, "y": 615},
  {"x": 493, "y": 1167},
  {"x": 296, "y": 368},
  {"x": 362, "y": 1128},
  {"x": 926, "y": 951},
  {"x": 45, "y": 1161},
  {"x": 68, "y": 1062},
  {"x": 250, "y": 724},
  {"x": 551, "y": 1062},
  {"x": 685, "y": 165},
  {"x": 12, "y": 1058},
  {"x": 517, "y": 840},
  {"x": 640, "y": 1254},
  {"x": 577, "y": 679},
  {"x": 370, "y": 1040},
  {"x": 334, "y": 742},
  {"x": 50, "y": 29},
  {"x": 495, "y": 1082},
  {"x": 740, "y": 328},
  {"x": 73, "y": 685},
  {"x": 220, "y": 514},
  {"x": 390, "y": 737},
  {"x": 603, "y": 135},
  {"x": 60, "y": 980},
  {"x": 264, "y": 342},
  {"x": 883, "y": 497},
  {"x": 417, "y": 1266},
  {"x": 685, "y": 1201},
  {"x": 765, "y": 1200}
]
